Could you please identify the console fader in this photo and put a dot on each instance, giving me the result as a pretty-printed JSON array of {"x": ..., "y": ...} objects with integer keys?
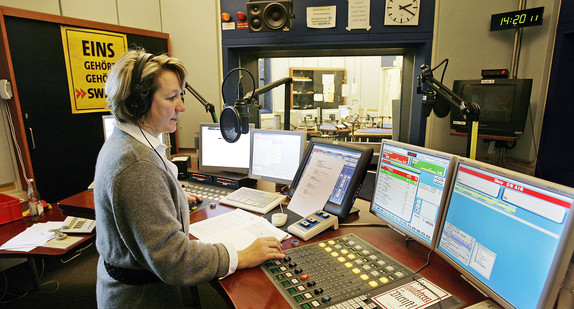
[{"x": 342, "y": 272}]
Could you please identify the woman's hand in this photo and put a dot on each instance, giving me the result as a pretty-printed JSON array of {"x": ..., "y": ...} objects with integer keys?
[
  {"x": 261, "y": 250},
  {"x": 192, "y": 197}
]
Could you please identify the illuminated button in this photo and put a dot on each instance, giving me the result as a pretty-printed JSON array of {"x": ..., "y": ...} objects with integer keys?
[
  {"x": 283, "y": 268},
  {"x": 292, "y": 290},
  {"x": 344, "y": 251},
  {"x": 301, "y": 288},
  {"x": 322, "y": 245},
  {"x": 331, "y": 242},
  {"x": 356, "y": 271},
  {"x": 384, "y": 280},
  {"x": 294, "y": 281},
  {"x": 288, "y": 275},
  {"x": 241, "y": 15},
  {"x": 351, "y": 256},
  {"x": 308, "y": 295},
  {"x": 348, "y": 265},
  {"x": 299, "y": 298},
  {"x": 373, "y": 284},
  {"x": 315, "y": 303},
  {"x": 334, "y": 254},
  {"x": 399, "y": 274},
  {"x": 364, "y": 277},
  {"x": 341, "y": 259},
  {"x": 328, "y": 249},
  {"x": 306, "y": 306}
]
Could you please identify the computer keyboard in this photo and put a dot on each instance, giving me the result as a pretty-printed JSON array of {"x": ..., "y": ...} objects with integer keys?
[
  {"x": 253, "y": 200},
  {"x": 207, "y": 193}
]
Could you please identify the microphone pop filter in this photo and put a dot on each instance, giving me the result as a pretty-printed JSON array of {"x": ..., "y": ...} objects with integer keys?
[{"x": 229, "y": 125}]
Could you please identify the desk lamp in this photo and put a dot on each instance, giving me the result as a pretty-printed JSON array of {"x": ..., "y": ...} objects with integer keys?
[{"x": 438, "y": 97}]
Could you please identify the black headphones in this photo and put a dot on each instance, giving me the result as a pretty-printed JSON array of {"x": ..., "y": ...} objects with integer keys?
[{"x": 138, "y": 102}]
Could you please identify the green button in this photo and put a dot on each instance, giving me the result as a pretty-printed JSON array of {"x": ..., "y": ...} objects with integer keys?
[
  {"x": 286, "y": 283},
  {"x": 281, "y": 277},
  {"x": 299, "y": 298},
  {"x": 306, "y": 306},
  {"x": 292, "y": 291}
]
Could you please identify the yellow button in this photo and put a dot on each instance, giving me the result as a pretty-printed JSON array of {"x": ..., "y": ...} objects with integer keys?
[
  {"x": 322, "y": 245},
  {"x": 373, "y": 284},
  {"x": 341, "y": 259},
  {"x": 356, "y": 271},
  {"x": 384, "y": 280},
  {"x": 328, "y": 249},
  {"x": 344, "y": 251},
  {"x": 364, "y": 277},
  {"x": 334, "y": 254},
  {"x": 351, "y": 256},
  {"x": 348, "y": 265},
  {"x": 331, "y": 242}
]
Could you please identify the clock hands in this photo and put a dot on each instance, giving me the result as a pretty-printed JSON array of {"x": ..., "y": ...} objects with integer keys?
[{"x": 404, "y": 7}]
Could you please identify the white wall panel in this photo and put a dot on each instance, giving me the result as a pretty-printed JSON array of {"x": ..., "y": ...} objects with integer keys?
[
  {"x": 142, "y": 14},
  {"x": 44, "y": 6},
  {"x": 102, "y": 10}
]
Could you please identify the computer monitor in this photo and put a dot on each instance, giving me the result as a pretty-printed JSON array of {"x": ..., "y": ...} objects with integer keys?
[
  {"x": 344, "y": 111},
  {"x": 509, "y": 234},
  {"x": 276, "y": 154},
  {"x": 308, "y": 116},
  {"x": 108, "y": 125},
  {"x": 330, "y": 115},
  {"x": 217, "y": 155},
  {"x": 356, "y": 159},
  {"x": 411, "y": 189}
]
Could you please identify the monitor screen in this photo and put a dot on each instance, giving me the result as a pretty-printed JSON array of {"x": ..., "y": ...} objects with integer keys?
[
  {"x": 508, "y": 233},
  {"x": 495, "y": 101},
  {"x": 108, "y": 124},
  {"x": 217, "y": 155},
  {"x": 275, "y": 154},
  {"x": 411, "y": 189},
  {"x": 357, "y": 159}
]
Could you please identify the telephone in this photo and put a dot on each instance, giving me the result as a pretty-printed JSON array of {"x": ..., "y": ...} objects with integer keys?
[{"x": 78, "y": 225}]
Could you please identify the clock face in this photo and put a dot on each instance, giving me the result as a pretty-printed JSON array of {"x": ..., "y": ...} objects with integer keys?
[{"x": 402, "y": 12}]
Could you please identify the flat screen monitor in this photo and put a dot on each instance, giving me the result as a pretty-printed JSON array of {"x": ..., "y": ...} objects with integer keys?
[
  {"x": 503, "y": 105},
  {"x": 509, "y": 234},
  {"x": 330, "y": 115},
  {"x": 356, "y": 159},
  {"x": 276, "y": 154},
  {"x": 108, "y": 125},
  {"x": 411, "y": 189},
  {"x": 217, "y": 155}
]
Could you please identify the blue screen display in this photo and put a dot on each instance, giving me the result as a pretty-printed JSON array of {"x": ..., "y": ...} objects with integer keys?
[{"x": 504, "y": 232}]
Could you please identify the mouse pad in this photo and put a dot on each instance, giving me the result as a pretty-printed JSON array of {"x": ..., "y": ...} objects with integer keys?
[{"x": 292, "y": 217}]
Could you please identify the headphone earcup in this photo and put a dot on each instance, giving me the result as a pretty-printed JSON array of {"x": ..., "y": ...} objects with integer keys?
[{"x": 138, "y": 101}]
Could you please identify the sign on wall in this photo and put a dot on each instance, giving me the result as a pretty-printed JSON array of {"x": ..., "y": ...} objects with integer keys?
[{"x": 89, "y": 56}]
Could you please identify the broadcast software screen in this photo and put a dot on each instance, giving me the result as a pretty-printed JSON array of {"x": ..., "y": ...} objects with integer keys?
[
  {"x": 411, "y": 189},
  {"x": 276, "y": 154},
  {"x": 508, "y": 233}
]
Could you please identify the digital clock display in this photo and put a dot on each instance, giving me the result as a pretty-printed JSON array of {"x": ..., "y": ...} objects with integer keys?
[{"x": 517, "y": 19}]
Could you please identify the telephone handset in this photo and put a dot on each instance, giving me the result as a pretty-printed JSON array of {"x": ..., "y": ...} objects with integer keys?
[{"x": 78, "y": 225}]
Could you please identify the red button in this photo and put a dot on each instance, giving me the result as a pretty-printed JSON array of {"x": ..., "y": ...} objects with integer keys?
[
  {"x": 304, "y": 277},
  {"x": 241, "y": 15}
]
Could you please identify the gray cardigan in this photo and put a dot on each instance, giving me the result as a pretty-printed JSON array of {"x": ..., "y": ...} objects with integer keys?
[{"x": 142, "y": 222}]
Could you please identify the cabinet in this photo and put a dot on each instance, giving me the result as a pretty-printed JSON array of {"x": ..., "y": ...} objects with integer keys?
[{"x": 316, "y": 87}]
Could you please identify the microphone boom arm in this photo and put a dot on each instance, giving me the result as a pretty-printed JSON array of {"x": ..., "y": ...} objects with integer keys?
[
  {"x": 209, "y": 108},
  {"x": 470, "y": 111},
  {"x": 284, "y": 81}
]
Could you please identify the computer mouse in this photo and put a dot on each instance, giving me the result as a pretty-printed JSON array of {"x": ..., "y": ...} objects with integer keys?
[{"x": 279, "y": 219}]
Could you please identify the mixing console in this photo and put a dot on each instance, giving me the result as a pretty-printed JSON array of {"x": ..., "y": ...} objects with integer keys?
[
  {"x": 208, "y": 194},
  {"x": 342, "y": 272}
]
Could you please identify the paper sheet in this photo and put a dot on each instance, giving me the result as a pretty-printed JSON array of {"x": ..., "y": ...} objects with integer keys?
[
  {"x": 34, "y": 236},
  {"x": 62, "y": 244},
  {"x": 317, "y": 184},
  {"x": 238, "y": 227}
]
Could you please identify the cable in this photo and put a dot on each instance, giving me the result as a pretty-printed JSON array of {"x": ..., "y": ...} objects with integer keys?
[
  {"x": 78, "y": 252},
  {"x": 15, "y": 141},
  {"x": 422, "y": 284}
]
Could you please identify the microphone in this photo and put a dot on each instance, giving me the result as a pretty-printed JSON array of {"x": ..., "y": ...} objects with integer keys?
[{"x": 234, "y": 119}]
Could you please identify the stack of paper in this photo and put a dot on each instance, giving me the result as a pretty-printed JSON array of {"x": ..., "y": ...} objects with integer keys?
[
  {"x": 34, "y": 236},
  {"x": 238, "y": 227}
]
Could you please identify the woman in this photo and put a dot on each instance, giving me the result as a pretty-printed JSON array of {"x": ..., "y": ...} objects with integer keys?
[{"x": 142, "y": 212}]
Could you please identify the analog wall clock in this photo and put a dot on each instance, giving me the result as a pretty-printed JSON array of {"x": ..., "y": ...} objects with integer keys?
[{"x": 402, "y": 12}]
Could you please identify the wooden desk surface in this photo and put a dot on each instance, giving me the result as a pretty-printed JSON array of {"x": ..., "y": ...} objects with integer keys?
[
  {"x": 250, "y": 288},
  {"x": 9, "y": 230}
]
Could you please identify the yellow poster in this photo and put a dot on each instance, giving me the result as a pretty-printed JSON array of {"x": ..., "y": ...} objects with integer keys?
[{"x": 89, "y": 56}]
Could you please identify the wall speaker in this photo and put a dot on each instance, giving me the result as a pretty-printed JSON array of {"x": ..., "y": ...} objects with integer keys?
[{"x": 274, "y": 15}]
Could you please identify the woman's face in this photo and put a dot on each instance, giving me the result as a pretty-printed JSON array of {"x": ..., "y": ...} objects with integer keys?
[{"x": 166, "y": 105}]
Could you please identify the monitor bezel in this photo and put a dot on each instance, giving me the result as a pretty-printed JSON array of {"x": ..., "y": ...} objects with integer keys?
[
  {"x": 342, "y": 210},
  {"x": 303, "y": 139},
  {"x": 565, "y": 248},
  {"x": 104, "y": 117},
  {"x": 445, "y": 194},
  {"x": 520, "y": 106},
  {"x": 219, "y": 169}
]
